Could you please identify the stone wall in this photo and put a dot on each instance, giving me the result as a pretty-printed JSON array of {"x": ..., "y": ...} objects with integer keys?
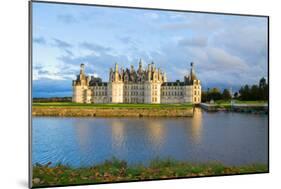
[{"x": 113, "y": 112}]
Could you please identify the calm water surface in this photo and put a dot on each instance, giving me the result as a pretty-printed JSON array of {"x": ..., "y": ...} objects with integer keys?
[{"x": 230, "y": 138}]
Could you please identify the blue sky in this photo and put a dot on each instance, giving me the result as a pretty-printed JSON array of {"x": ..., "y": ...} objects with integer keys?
[{"x": 228, "y": 51}]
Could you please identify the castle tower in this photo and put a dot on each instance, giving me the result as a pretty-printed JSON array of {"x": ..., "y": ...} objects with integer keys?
[
  {"x": 116, "y": 73},
  {"x": 196, "y": 87},
  {"x": 80, "y": 86},
  {"x": 152, "y": 86},
  {"x": 115, "y": 87}
]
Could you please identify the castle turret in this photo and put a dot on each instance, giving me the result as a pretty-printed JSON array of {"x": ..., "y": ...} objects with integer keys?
[
  {"x": 196, "y": 89},
  {"x": 164, "y": 77},
  {"x": 116, "y": 73},
  {"x": 82, "y": 69},
  {"x": 140, "y": 67},
  {"x": 110, "y": 75},
  {"x": 192, "y": 72},
  {"x": 115, "y": 88},
  {"x": 149, "y": 72},
  {"x": 81, "y": 91}
]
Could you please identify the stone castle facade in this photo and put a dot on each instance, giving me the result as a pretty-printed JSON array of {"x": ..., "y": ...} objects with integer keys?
[{"x": 136, "y": 86}]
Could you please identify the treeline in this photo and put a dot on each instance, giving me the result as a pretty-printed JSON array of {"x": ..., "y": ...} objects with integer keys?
[
  {"x": 53, "y": 99},
  {"x": 254, "y": 92},
  {"x": 247, "y": 92},
  {"x": 215, "y": 94}
]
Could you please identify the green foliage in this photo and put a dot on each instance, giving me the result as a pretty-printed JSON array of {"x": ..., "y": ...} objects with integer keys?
[
  {"x": 246, "y": 93},
  {"x": 117, "y": 170},
  {"x": 211, "y": 94},
  {"x": 226, "y": 94},
  {"x": 254, "y": 92}
]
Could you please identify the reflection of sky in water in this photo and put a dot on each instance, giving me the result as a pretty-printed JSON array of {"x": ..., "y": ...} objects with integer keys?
[{"x": 231, "y": 138}]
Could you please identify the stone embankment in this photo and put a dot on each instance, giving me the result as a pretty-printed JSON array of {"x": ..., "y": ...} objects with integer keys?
[
  {"x": 112, "y": 112},
  {"x": 248, "y": 108}
]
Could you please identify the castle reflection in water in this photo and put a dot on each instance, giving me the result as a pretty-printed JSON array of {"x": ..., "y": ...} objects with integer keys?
[{"x": 157, "y": 131}]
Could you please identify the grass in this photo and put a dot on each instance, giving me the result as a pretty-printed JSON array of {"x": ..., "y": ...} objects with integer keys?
[
  {"x": 80, "y": 105},
  {"x": 251, "y": 102},
  {"x": 227, "y": 102},
  {"x": 115, "y": 170}
]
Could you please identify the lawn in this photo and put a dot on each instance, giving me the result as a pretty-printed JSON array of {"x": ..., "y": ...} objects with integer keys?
[
  {"x": 115, "y": 170},
  {"x": 226, "y": 104},
  {"x": 80, "y": 105}
]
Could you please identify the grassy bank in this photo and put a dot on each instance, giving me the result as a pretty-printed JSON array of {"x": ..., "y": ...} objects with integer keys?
[
  {"x": 254, "y": 102},
  {"x": 112, "y": 112},
  {"x": 133, "y": 106},
  {"x": 70, "y": 109},
  {"x": 249, "y": 105},
  {"x": 116, "y": 170}
]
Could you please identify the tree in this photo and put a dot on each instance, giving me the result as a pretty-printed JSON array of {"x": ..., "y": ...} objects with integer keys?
[
  {"x": 214, "y": 94},
  {"x": 204, "y": 96},
  {"x": 245, "y": 93},
  {"x": 262, "y": 83},
  {"x": 226, "y": 94},
  {"x": 236, "y": 95},
  {"x": 263, "y": 89},
  {"x": 254, "y": 93}
]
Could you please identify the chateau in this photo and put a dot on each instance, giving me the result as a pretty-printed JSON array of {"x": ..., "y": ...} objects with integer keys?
[{"x": 136, "y": 86}]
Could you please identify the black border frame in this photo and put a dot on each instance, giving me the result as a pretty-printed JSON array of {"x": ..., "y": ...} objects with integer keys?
[{"x": 30, "y": 73}]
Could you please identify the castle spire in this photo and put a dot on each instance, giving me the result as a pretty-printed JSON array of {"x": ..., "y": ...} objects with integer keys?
[
  {"x": 192, "y": 67},
  {"x": 192, "y": 72},
  {"x": 140, "y": 64},
  {"x": 82, "y": 69}
]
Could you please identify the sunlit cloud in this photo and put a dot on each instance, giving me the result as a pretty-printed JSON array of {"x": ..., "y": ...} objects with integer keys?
[{"x": 227, "y": 50}]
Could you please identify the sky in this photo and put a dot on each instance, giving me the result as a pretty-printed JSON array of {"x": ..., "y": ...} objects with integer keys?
[{"x": 227, "y": 50}]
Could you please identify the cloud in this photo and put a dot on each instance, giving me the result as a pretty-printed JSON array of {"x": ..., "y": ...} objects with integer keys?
[
  {"x": 67, "y": 18},
  {"x": 223, "y": 61},
  {"x": 61, "y": 44},
  {"x": 43, "y": 71},
  {"x": 194, "y": 41},
  {"x": 249, "y": 41},
  {"x": 39, "y": 40},
  {"x": 195, "y": 22},
  {"x": 94, "y": 64},
  {"x": 126, "y": 40},
  {"x": 94, "y": 47},
  {"x": 151, "y": 15},
  {"x": 227, "y": 50},
  {"x": 64, "y": 46}
]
